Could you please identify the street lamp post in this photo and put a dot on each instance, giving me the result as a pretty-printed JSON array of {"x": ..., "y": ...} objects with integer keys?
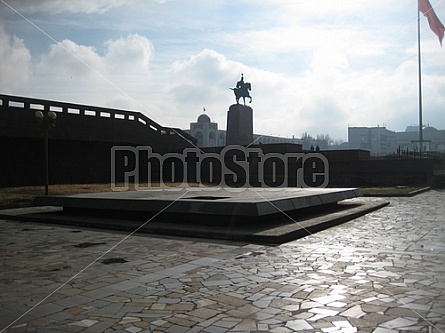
[{"x": 45, "y": 122}]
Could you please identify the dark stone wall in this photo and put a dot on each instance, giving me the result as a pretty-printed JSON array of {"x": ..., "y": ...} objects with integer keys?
[
  {"x": 356, "y": 168},
  {"x": 80, "y": 143},
  {"x": 69, "y": 161},
  {"x": 80, "y": 149},
  {"x": 87, "y": 123}
]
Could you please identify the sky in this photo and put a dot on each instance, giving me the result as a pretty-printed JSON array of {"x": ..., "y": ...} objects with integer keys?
[{"x": 315, "y": 66}]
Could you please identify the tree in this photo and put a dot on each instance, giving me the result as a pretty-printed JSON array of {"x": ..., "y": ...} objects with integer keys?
[{"x": 324, "y": 141}]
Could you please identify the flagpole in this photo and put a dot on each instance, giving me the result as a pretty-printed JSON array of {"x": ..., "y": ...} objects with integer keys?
[{"x": 420, "y": 80}]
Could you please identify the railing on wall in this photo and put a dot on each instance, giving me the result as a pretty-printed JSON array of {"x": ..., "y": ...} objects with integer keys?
[
  {"x": 34, "y": 104},
  {"x": 406, "y": 153}
]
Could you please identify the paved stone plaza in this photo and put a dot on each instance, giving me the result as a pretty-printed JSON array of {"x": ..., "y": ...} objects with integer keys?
[{"x": 382, "y": 273}]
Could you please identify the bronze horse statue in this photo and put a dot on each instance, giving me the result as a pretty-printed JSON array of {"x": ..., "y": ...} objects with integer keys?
[{"x": 242, "y": 90}]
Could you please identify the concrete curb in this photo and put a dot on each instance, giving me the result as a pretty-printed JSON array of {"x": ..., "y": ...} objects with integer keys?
[
  {"x": 281, "y": 229},
  {"x": 394, "y": 195}
]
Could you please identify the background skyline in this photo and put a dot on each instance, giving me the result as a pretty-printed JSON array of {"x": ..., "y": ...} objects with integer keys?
[{"x": 315, "y": 66}]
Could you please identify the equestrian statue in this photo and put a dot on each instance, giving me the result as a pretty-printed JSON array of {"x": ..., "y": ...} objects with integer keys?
[{"x": 242, "y": 90}]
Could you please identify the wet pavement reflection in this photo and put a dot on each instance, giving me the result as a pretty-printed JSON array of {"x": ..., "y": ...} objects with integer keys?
[{"x": 383, "y": 273}]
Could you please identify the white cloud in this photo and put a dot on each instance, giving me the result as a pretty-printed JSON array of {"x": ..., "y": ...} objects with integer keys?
[
  {"x": 336, "y": 10},
  {"x": 201, "y": 81},
  {"x": 347, "y": 38},
  {"x": 15, "y": 61},
  {"x": 78, "y": 73},
  {"x": 65, "y": 6},
  {"x": 323, "y": 100},
  {"x": 315, "y": 7},
  {"x": 204, "y": 81},
  {"x": 67, "y": 58},
  {"x": 315, "y": 66},
  {"x": 131, "y": 54}
]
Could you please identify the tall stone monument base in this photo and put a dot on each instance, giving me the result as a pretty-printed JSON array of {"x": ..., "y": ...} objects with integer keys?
[{"x": 239, "y": 125}]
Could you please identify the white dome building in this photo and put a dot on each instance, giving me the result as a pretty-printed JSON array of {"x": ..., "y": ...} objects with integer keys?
[{"x": 207, "y": 133}]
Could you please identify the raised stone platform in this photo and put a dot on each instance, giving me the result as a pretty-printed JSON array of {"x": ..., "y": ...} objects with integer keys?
[
  {"x": 253, "y": 215},
  {"x": 224, "y": 202},
  {"x": 239, "y": 125}
]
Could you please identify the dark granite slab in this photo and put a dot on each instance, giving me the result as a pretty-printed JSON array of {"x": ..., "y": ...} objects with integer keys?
[{"x": 254, "y": 202}]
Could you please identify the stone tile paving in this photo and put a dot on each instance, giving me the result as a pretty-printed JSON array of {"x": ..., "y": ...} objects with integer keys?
[{"x": 382, "y": 273}]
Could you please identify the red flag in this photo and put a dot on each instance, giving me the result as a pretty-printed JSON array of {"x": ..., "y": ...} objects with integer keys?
[{"x": 433, "y": 20}]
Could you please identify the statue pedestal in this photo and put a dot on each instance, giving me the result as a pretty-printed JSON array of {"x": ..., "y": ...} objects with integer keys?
[{"x": 239, "y": 125}]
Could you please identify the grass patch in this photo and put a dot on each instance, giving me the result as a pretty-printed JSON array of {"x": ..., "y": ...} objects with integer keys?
[
  {"x": 8, "y": 200},
  {"x": 11, "y": 197},
  {"x": 396, "y": 191},
  {"x": 16, "y": 197}
]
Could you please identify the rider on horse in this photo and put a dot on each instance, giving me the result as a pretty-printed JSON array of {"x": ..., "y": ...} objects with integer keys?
[
  {"x": 240, "y": 84},
  {"x": 242, "y": 90}
]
